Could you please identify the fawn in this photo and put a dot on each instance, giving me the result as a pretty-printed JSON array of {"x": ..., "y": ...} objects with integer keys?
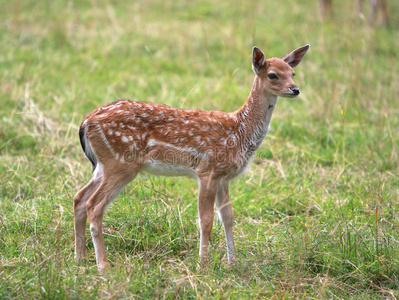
[{"x": 124, "y": 138}]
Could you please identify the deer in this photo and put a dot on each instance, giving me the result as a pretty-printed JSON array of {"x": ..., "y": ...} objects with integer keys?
[
  {"x": 125, "y": 138},
  {"x": 375, "y": 5}
]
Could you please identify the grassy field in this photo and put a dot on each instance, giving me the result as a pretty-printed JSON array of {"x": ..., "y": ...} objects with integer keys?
[{"x": 317, "y": 215}]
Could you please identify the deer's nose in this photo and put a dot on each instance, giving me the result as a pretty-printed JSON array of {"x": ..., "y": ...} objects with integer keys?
[{"x": 295, "y": 90}]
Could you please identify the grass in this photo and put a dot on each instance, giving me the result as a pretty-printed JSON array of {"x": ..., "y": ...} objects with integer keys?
[{"x": 315, "y": 217}]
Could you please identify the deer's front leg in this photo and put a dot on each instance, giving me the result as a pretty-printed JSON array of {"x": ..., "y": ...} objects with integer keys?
[
  {"x": 207, "y": 195},
  {"x": 225, "y": 211}
]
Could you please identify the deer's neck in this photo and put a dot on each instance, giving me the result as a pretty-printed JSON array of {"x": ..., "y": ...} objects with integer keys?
[{"x": 255, "y": 116}]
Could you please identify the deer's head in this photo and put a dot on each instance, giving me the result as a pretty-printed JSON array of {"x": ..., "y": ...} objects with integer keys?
[{"x": 277, "y": 74}]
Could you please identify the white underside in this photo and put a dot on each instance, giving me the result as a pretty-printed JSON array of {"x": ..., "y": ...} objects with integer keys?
[
  {"x": 164, "y": 169},
  {"x": 98, "y": 171}
]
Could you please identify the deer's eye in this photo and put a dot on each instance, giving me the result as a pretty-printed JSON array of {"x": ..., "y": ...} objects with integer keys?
[{"x": 272, "y": 75}]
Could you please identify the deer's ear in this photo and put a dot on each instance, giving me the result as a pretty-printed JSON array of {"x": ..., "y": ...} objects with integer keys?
[
  {"x": 258, "y": 60},
  {"x": 295, "y": 57}
]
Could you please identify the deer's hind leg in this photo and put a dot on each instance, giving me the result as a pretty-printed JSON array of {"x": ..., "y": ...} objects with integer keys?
[
  {"x": 79, "y": 208},
  {"x": 112, "y": 184}
]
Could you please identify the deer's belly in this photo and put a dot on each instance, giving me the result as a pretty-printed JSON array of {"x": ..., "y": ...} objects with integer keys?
[{"x": 165, "y": 169}]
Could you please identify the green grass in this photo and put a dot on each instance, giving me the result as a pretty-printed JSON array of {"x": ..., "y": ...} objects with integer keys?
[{"x": 315, "y": 217}]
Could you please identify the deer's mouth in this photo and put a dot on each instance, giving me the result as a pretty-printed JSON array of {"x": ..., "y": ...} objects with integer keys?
[
  {"x": 289, "y": 95},
  {"x": 292, "y": 93}
]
